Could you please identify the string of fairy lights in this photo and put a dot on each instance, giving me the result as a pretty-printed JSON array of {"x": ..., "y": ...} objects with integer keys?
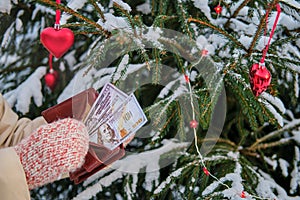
[
  {"x": 257, "y": 88},
  {"x": 194, "y": 125}
]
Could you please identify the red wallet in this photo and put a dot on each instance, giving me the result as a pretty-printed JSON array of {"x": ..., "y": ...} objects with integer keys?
[{"x": 98, "y": 156}]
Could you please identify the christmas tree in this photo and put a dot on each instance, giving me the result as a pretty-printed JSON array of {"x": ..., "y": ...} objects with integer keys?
[{"x": 217, "y": 80}]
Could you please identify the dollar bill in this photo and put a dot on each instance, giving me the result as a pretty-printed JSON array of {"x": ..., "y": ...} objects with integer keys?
[
  {"x": 120, "y": 124},
  {"x": 109, "y": 99}
]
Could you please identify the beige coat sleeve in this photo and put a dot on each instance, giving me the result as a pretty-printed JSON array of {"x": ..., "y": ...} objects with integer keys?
[{"x": 12, "y": 130}]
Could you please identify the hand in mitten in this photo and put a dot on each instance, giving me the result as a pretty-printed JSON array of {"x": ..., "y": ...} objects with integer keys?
[{"x": 52, "y": 150}]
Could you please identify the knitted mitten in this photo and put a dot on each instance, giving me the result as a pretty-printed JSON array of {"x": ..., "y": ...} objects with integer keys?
[{"x": 52, "y": 150}]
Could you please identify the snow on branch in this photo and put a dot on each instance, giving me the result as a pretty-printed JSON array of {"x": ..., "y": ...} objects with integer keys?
[
  {"x": 75, "y": 5},
  {"x": 274, "y": 101},
  {"x": 271, "y": 108},
  {"x": 5, "y": 6},
  {"x": 114, "y": 23},
  {"x": 292, "y": 3},
  {"x": 120, "y": 71},
  {"x": 204, "y": 7},
  {"x": 235, "y": 177},
  {"x": 293, "y": 124},
  {"x": 30, "y": 88},
  {"x": 123, "y": 5},
  {"x": 130, "y": 166},
  {"x": 144, "y": 8},
  {"x": 268, "y": 188},
  {"x": 295, "y": 181}
]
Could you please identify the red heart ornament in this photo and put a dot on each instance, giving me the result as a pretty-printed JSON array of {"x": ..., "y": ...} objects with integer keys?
[
  {"x": 57, "y": 41},
  {"x": 260, "y": 78},
  {"x": 51, "y": 79}
]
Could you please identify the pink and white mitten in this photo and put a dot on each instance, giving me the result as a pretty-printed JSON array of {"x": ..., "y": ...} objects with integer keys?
[{"x": 52, "y": 150}]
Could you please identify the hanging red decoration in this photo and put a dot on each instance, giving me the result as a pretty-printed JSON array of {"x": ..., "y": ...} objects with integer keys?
[
  {"x": 193, "y": 124},
  {"x": 260, "y": 76},
  {"x": 56, "y": 40},
  {"x": 218, "y": 9},
  {"x": 51, "y": 79}
]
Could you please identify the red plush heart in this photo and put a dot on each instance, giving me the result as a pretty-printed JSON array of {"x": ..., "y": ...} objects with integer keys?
[
  {"x": 260, "y": 78},
  {"x": 57, "y": 41},
  {"x": 51, "y": 79}
]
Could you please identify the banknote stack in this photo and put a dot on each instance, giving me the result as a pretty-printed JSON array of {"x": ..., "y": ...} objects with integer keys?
[{"x": 114, "y": 117}]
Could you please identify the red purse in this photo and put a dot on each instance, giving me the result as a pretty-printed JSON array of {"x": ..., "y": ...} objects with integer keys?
[{"x": 98, "y": 156}]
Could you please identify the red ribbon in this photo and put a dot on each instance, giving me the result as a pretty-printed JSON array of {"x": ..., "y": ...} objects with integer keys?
[
  {"x": 50, "y": 61},
  {"x": 57, "y": 17},
  {"x": 272, "y": 31},
  {"x": 56, "y": 26}
]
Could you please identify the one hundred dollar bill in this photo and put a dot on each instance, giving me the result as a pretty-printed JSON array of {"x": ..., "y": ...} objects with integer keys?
[
  {"x": 109, "y": 99},
  {"x": 119, "y": 126}
]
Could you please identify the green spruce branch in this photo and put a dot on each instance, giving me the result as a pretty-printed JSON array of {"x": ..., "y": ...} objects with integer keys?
[
  {"x": 259, "y": 29},
  {"x": 127, "y": 15},
  {"x": 236, "y": 12},
  {"x": 219, "y": 140},
  {"x": 264, "y": 146},
  {"x": 94, "y": 3},
  {"x": 157, "y": 67},
  {"x": 221, "y": 31},
  {"x": 275, "y": 133},
  {"x": 87, "y": 32},
  {"x": 153, "y": 8},
  {"x": 163, "y": 6},
  {"x": 297, "y": 30},
  {"x": 161, "y": 19},
  {"x": 182, "y": 14},
  {"x": 245, "y": 97},
  {"x": 9, "y": 69},
  {"x": 176, "y": 47}
]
